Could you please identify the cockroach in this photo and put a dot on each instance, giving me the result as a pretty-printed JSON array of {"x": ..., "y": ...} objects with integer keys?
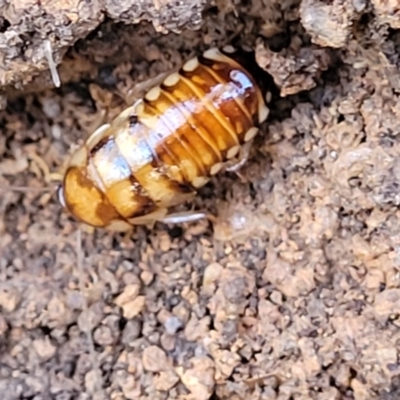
[{"x": 158, "y": 152}]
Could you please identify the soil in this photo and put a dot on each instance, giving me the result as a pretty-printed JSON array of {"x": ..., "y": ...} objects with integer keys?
[{"x": 291, "y": 294}]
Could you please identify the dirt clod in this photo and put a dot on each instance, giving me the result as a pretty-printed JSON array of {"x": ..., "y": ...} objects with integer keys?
[
  {"x": 198, "y": 378},
  {"x": 154, "y": 359}
]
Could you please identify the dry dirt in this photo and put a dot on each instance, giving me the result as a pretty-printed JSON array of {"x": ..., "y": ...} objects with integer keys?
[{"x": 292, "y": 294}]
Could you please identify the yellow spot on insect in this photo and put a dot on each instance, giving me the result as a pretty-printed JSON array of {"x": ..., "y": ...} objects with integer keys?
[
  {"x": 172, "y": 80},
  {"x": 250, "y": 134},
  {"x": 79, "y": 158},
  {"x": 153, "y": 94},
  {"x": 216, "y": 168},
  {"x": 228, "y": 49},
  {"x": 232, "y": 152},
  {"x": 139, "y": 108},
  {"x": 214, "y": 54},
  {"x": 263, "y": 112},
  {"x": 191, "y": 65},
  {"x": 197, "y": 79},
  {"x": 238, "y": 127},
  {"x": 200, "y": 181}
]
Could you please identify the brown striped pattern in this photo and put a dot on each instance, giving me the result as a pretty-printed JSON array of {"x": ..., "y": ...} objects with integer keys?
[{"x": 157, "y": 155}]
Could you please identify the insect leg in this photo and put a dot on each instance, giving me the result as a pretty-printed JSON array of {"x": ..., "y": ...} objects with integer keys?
[
  {"x": 149, "y": 219},
  {"x": 185, "y": 216},
  {"x": 139, "y": 90},
  {"x": 236, "y": 164},
  {"x": 49, "y": 177},
  {"x": 160, "y": 215}
]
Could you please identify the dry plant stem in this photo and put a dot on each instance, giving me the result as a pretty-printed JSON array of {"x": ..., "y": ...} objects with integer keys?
[
  {"x": 24, "y": 189},
  {"x": 52, "y": 65}
]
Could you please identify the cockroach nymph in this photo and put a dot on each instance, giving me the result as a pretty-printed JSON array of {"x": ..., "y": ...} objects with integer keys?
[{"x": 158, "y": 152}]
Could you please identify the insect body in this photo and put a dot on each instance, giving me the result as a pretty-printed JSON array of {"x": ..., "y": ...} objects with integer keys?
[{"x": 156, "y": 153}]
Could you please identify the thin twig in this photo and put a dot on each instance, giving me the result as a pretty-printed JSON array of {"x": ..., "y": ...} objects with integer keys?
[{"x": 25, "y": 189}]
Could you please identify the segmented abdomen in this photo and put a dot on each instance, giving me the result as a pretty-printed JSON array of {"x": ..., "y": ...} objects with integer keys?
[{"x": 157, "y": 152}]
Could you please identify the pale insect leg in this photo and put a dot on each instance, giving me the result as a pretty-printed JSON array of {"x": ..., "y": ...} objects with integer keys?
[
  {"x": 96, "y": 136},
  {"x": 139, "y": 90},
  {"x": 236, "y": 164},
  {"x": 161, "y": 215},
  {"x": 185, "y": 216},
  {"x": 149, "y": 219},
  {"x": 49, "y": 177}
]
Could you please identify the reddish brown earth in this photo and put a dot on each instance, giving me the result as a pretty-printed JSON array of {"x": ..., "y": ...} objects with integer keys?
[{"x": 292, "y": 294}]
